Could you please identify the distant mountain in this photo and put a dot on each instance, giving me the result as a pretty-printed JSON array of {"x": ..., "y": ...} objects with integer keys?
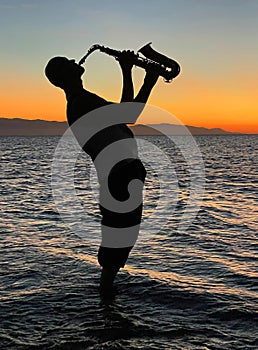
[
  {"x": 25, "y": 127},
  {"x": 173, "y": 129}
]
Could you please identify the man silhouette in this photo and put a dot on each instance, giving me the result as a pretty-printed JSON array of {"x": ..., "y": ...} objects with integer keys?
[{"x": 66, "y": 74}]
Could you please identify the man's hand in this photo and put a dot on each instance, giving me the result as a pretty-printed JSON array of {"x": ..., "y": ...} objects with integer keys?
[{"x": 126, "y": 60}]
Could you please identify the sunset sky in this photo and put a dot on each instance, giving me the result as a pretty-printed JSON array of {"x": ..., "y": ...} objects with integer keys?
[{"x": 215, "y": 42}]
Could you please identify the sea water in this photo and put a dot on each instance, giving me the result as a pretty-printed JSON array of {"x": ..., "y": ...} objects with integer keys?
[{"x": 181, "y": 289}]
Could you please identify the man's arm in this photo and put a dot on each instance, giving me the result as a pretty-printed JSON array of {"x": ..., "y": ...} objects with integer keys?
[
  {"x": 150, "y": 80},
  {"x": 128, "y": 91},
  {"x": 151, "y": 77},
  {"x": 126, "y": 64}
]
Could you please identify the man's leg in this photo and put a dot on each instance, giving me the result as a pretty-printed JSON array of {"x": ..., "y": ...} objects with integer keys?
[
  {"x": 108, "y": 274},
  {"x": 112, "y": 259}
]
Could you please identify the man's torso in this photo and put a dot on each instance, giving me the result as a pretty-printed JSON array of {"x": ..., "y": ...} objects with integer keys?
[{"x": 83, "y": 103}]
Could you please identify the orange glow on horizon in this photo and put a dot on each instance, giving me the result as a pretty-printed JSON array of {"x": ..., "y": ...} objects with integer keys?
[{"x": 192, "y": 101}]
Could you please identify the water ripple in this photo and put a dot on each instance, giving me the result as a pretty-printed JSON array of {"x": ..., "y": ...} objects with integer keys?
[{"x": 195, "y": 289}]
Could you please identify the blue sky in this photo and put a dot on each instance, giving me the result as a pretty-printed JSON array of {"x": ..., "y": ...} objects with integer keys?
[{"x": 35, "y": 30}]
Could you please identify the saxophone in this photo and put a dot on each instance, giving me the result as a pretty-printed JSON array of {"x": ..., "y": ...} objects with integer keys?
[{"x": 166, "y": 67}]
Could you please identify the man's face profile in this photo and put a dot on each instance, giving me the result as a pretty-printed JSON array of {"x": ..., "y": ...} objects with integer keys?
[{"x": 61, "y": 71}]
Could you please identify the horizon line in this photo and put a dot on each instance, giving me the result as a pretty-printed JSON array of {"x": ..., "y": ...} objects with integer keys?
[{"x": 162, "y": 123}]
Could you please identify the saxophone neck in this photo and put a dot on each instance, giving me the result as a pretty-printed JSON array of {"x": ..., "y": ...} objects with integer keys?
[
  {"x": 91, "y": 49},
  {"x": 107, "y": 50}
]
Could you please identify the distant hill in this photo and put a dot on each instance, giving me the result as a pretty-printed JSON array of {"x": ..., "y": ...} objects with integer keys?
[
  {"x": 173, "y": 129},
  {"x": 25, "y": 127}
]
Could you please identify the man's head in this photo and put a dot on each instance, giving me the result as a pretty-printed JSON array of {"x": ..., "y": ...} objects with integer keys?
[{"x": 63, "y": 72}]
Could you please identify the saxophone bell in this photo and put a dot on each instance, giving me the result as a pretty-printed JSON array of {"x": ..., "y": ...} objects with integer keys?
[{"x": 170, "y": 66}]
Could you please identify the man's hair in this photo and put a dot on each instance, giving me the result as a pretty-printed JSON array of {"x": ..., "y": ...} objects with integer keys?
[{"x": 54, "y": 71}]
